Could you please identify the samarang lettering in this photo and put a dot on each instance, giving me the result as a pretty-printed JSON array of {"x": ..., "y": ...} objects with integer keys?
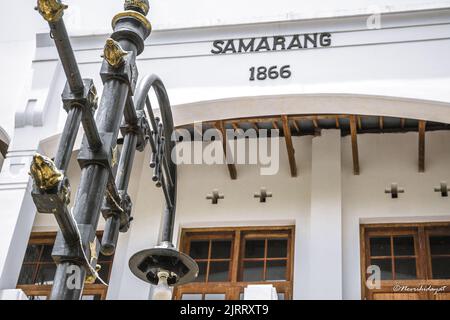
[{"x": 276, "y": 43}]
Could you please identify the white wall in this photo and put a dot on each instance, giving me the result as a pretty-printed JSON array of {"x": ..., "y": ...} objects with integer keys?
[{"x": 384, "y": 159}]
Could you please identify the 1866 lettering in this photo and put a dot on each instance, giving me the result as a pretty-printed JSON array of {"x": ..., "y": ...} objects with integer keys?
[{"x": 263, "y": 73}]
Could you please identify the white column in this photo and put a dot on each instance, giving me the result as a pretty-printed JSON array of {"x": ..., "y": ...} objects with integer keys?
[
  {"x": 36, "y": 117},
  {"x": 17, "y": 214},
  {"x": 325, "y": 219}
]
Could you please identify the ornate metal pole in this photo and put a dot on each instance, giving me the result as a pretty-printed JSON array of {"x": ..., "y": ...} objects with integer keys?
[
  {"x": 119, "y": 74},
  {"x": 103, "y": 186},
  {"x": 76, "y": 247}
]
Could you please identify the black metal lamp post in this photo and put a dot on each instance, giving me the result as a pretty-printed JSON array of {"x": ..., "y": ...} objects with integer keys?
[
  {"x": 163, "y": 265},
  {"x": 103, "y": 184}
]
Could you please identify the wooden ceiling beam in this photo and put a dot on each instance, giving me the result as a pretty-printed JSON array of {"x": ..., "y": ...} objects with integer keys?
[
  {"x": 422, "y": 127},
  {"x": 289, "y": 145},
  {"x": 315, "y": 123},
  {"x": 354, "y": 139},
  {"x": 226, "y": 150},
  {"x": 252, "y": 119},
  {"x": 296, "y": 126}
]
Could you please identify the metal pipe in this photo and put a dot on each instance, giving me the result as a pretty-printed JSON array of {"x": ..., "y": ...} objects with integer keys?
[
  {"x": 67, "y": 225},
  {"x": 130, "y": 113},
  {"x": 166, "y": 193},
  {"x": 62, "y": 42},
  {"x": 90, "y": 130},
  {"x": 66, "y": 54},
  {"x": 156, "y": 135},
  {"x": 167, "y": 225},
  {"x": 160, "y": 147},
  {"x": 150, "y": 112},
  {"x": 59, "y": 34},
  {"x": 63, "y": 217},
  {"x": 153, "y": 123},
  {"x": 151, "y": 140},
  {"x": 166, "y": 171},
  {"x": 110, "y": 235},
  {"x": 126, "y": 161},
  {"x": 112, "y": 226},
  {"x": 68, "y": 137}
]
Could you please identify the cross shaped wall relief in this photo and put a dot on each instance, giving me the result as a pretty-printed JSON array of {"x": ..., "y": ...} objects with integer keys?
[
  {"x": 215, "y": 196},
  {"x": 443, "y": 189},
  {"x": 394, "y": 190},
  {"x": 263, "y": 195}
]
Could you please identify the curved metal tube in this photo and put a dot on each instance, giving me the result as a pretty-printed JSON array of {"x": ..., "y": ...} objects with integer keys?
[
  {"x": 141, "y": 99},
  {"x": 112, "y": 226}
]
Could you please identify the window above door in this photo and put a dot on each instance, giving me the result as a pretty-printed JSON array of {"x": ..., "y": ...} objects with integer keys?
[
  {"x": 410, "y": 257},
  {"x": 38, "y": 270},
  {"x": 229, "y": 259}
]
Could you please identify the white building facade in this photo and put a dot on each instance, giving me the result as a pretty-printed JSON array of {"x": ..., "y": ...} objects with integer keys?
[{"x": 359, "y": 91}]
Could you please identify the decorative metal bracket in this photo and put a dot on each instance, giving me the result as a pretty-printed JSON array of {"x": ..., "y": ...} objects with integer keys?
[
  {"x": 113, "y": 53},
  {"x": 87, "y": 99},
  {"x": 122, "y": 209},
  {"x": 119, "y": 64}
]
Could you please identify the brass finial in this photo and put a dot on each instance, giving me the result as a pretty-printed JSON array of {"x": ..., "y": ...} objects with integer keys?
[
  {"x": 90, "y": 279},
  {"x": 44, "y": 172},
  {"x": 113, "y": 53},
  {"x": 141, "y": 6},
  {"x": 51, "y": 10}
]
